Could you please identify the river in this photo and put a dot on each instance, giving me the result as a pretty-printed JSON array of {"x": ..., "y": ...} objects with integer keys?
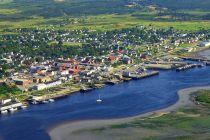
[{"x": 123, "y": 100}]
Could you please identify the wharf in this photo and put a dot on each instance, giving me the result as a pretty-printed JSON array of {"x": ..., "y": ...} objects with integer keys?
[
  {"x": 61, "y": 94},
  {"x": 113, "y": 82},
  {"x": 86, "y": 89},
  {"x": 198, "y": 59},
  {"x": 190, "y": 66},
  {"x": 99, "y": 85},
  {"x": 144, "y": 75}
]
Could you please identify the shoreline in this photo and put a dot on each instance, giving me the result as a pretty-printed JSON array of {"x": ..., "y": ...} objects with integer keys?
[{"x": 64, "y": 130}]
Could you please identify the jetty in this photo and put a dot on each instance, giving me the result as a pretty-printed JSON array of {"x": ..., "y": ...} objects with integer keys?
[
  {"x": 85, "y": 89},
  {"x": 10, "y": 106},
  {"x": 113, "y": 82},
  {"x": 144, "y": 75},
  {"x": 198, "y": 59},
  {"x": 189, "y": 66}
]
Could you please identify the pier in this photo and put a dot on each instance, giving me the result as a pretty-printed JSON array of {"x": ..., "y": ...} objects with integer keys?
[
  {"x": 144, "y": 75},
  {"x": 189, "y": 66}
]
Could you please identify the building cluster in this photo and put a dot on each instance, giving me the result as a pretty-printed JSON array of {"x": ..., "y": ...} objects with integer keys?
[{"x": 52, "y": 73}]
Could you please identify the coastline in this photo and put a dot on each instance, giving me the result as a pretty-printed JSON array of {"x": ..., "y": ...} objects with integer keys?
[{"x": 64, "y": 131}]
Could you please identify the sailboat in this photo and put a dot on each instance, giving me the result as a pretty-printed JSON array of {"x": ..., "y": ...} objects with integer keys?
[{"x": 99, "y": 99}]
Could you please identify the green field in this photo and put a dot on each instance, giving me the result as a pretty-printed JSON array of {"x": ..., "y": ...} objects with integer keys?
[
  {"x": 102, "y": 22},
  {"x": 102, "y": 15}
]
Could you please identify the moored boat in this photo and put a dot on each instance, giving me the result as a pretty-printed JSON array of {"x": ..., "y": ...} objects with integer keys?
[
  {"x": 51, "y": 100},
  {"x": 4, "y": 112}
]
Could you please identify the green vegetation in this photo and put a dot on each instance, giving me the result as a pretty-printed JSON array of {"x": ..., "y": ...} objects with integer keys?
[
  {"x": 203, "y": 96},
  {"x": 5, "y": 90},
  {"x": 117, "y": 14}
]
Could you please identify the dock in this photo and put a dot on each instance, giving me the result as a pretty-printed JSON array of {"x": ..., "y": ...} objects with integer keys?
[
  {"x": 85, "y": 89},
  {"x": 189, "y": 66},
  {"x": 10, "y": 107},
  {"x": 144, "y": 75},
  {"x": 198, "y": 59}
]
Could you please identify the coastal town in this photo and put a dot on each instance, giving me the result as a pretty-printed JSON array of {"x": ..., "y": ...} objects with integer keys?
[{"x": 89, "y": 60}]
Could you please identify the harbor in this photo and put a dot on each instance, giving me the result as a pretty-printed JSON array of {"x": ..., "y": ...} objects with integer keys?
[
  {"x": 135, "y": 72},
  {"x": 128, "y": 98}
]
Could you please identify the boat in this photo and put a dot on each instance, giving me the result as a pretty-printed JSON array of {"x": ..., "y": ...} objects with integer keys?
[
  {"x": 4, "y": 112},
  {"x": 207, "y": 63},
  {"x": 99, "y": 99},
  {"x": 51, "y": 100},
  {"x": 12, "y": 109},
  {"x": 84, "y": 89},
  {"x": 24, "y": 106},
  {"x": 45, "y": 102},
  {"x": 34, "y": 102}
]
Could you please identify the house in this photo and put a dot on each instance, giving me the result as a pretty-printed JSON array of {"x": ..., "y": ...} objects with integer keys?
[
  {"x": 4, "y": 101},
  {"x": 53, "y": 83},
  {"x": 22, "y": 82},
  {"x": 64, "y": 72},
  {"x": 41, "y": 79},
  {"x": 126, "y": 74},
  {"x": 127, "y": 60},
  {"x": 39, "y": 87},
  {"x": 112, "y": 59}
]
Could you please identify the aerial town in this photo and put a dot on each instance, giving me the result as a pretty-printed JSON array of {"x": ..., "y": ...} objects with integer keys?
[{"x": 35, "y": 75}]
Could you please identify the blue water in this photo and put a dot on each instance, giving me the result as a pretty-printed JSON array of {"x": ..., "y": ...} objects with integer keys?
[{"x": 126, "y": 99}]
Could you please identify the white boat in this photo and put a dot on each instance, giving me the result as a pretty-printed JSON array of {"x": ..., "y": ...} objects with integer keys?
[
  {"x": 12, "y": 109},
  {"x": 4, "y": 112},
  {"x": 45, "y": 102},
  {"x": 24, "y": 106},
  {"x": 34, "y": 102},
  {"x": 51, "y": 100},
  {"x": 99, "y": 99}
]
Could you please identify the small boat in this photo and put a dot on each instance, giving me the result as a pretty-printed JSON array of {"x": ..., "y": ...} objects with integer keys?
[
  {"x": 34, "y": 102},
  {"x": 24, "y": 106},
  {"x": 51, "y": 100},
  {"x": 4, "y": 112},
  {"x": 99, "y": 99},
  {"x": 45, "y": 102},
  {"x": 12, "y": 109},
  {"x": 84, "y": 89}
]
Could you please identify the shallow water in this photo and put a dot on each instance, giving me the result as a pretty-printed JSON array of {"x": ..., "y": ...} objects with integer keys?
[{"x": 205, "y": 53}]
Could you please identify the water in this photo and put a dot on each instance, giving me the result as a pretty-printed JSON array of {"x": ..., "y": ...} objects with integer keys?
[
  {"x": 126, "y": 99},
  {"x": 205, "y": 53}
]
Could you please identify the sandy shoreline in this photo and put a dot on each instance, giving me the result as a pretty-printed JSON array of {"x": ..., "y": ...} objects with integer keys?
[{"x": 64, "y": 131}]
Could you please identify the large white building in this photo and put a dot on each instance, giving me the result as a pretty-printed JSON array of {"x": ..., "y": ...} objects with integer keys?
[
  {"x": 53, "y": 83},
  {"x": 47, "y": 85}
]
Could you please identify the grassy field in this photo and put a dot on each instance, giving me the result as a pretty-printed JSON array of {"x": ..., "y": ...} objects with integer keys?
[
  {"x": 100, "y": 15},
  {"x": 102, "y": 23}
]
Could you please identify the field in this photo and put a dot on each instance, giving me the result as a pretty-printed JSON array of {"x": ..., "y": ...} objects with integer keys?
[
  {"x": 102, "y": 15},
  {"x": 102, "y": 23}
]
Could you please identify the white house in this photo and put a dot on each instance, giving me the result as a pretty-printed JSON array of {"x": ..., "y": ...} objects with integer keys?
[
  {"x": 53, "y": 83},
  {"x": 39, "y": 87}
]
